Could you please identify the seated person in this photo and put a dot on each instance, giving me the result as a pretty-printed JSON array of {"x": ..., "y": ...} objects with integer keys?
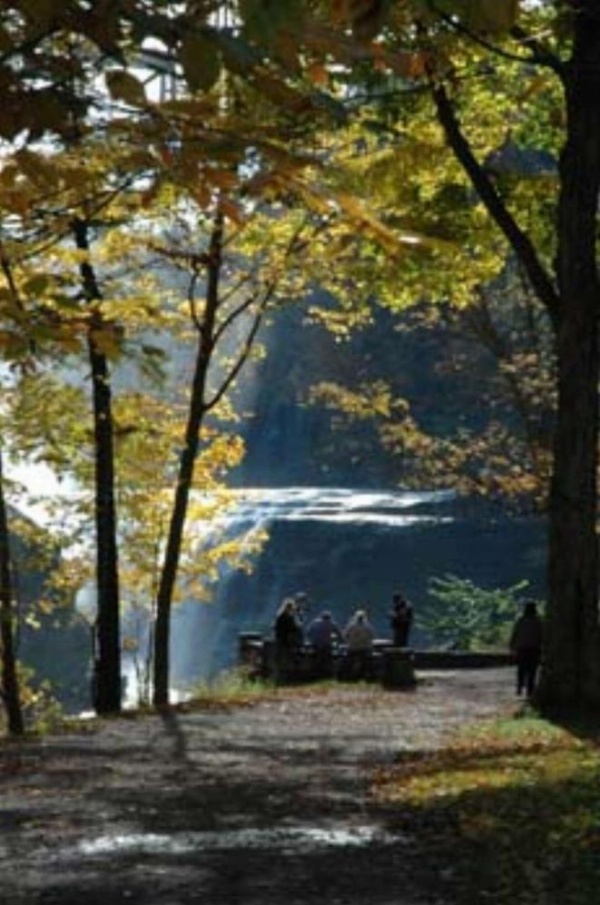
[
  {"x": 323, "y": 633},
  {"x": 359, "y": 637}
]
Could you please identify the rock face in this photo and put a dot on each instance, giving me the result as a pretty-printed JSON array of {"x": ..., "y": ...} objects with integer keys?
[{"x": 348, "y": 549}]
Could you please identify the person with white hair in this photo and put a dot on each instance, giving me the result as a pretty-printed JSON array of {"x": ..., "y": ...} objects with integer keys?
[{"x": 359, "y": 636}]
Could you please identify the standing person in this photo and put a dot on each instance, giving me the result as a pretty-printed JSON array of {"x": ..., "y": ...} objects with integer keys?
[
  {"x": 401, "y": 617},
  {"x": 526, "y": 646},
  {"x": 302, "y": 605},
  {"x": 288, "y": 638},
  {"x": 288, "y": 633},
  {"x": 323, "y": 633},
  {"x": 359, "y": 636}
]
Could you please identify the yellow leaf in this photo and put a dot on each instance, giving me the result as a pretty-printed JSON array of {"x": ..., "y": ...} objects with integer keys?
[{"x": 35, "y": 167}]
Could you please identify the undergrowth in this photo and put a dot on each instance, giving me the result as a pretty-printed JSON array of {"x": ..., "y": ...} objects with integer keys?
[{"x": 236, "y": 688}]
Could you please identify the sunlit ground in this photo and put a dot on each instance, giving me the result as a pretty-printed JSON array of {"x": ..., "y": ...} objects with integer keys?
[{"x": 513, "y": 807}]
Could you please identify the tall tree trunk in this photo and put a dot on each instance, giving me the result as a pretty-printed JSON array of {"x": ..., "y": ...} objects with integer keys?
[
  {"x": 571, "y": 672},
  {"x": 9, "y": 678},
  {"x": 185, "y": 475},
  {"x": 571, "y": 667},
  {"x": 107, "y": 666}
]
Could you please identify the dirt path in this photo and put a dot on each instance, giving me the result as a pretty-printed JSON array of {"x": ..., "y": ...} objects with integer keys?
[{"x": 265, "y": 804}]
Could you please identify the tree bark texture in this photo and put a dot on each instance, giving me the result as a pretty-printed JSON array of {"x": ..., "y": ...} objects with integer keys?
[
  {"x": 571, "y": 663},
  {"x": 571, "y": 673},
  {"x": 107, "y": 668},
  {"x": 107, "y": 659},
  {"x": 206, "y": 328},
  {"x": 9, "y": 681}
]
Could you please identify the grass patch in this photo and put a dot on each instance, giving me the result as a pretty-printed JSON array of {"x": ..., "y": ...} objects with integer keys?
[
  {"x": 233, "y": 688},
  {"x": 510, "y": 810}
]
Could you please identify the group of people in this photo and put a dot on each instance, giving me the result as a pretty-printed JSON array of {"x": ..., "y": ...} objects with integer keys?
[{"x": 323, "y": 635}]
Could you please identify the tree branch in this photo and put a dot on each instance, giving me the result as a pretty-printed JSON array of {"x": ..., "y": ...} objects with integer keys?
[
  {"x": 540, "y": 56},
  {"x": 519, "y": 241}
]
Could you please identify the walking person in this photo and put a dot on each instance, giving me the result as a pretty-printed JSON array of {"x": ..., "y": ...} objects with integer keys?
[
  {"x": 526, "y": 646},
  {"x": 401, "y": 617}
]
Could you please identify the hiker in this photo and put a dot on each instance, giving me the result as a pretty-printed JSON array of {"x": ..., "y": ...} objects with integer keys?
[
  {"x": 323, "y": 633},
  {"x": 288, "y": 631},
  {"x": 359, "y": 635},
  {"x": 288, "y": 639},
  {"x": 401, "y": 616},
  {"x": 526, "y": 646}
]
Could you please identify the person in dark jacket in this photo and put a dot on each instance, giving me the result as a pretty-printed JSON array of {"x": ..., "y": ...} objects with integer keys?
[
  {"x": 288, "y": 639},
  {"x": 288, "y": 632},
  {"x": 526, "y": 646},
  {"x": 323, "y": 634},
  {"x": 401, "y": 617}
]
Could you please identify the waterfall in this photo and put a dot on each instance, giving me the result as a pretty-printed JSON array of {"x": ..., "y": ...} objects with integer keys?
[{"x": 345, "y": 548}]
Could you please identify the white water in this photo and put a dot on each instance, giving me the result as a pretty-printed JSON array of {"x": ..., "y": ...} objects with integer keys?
[
  {"x": 349, "y": 521},
  {"x": 336, "y": 504}
]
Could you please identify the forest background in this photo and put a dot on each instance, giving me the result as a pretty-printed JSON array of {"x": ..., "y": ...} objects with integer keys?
[{"x": 177, "y": 175}]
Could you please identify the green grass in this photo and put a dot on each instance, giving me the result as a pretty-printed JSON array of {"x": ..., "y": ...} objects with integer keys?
[
  {"x": 510, "y": 808},
  {"x": 233, "y": 688}
]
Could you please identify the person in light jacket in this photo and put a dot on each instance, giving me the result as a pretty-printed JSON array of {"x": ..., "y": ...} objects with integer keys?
[{"x": 359, "y": 636}]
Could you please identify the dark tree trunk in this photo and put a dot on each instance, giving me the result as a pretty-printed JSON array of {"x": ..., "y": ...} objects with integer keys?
[
  {"x": 571, "y": 668},
  {"x": 107, "y": 664},
  {"x": 9, "y": 677},
  {"x": 185, "y": 475},
  {"x": 107, "y": 668},
  {"x": 571, "y": 673}
]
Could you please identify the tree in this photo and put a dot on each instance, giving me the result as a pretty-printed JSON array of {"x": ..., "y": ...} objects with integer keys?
[
  {"x": 107, "y": 660},
  {"x": 232, "y": 306},
  {"x": 571, "y": 672},
  {"x": 209, "y": 330},
  {"x": 466, "y": 617},
  {"x": 475, "y": 411},
  {"x": 281, "y": 58},
  {"x": 63, "y": 183},
  {"x": 9, "y": 682},
  {"x": 429, "y": 45}
]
